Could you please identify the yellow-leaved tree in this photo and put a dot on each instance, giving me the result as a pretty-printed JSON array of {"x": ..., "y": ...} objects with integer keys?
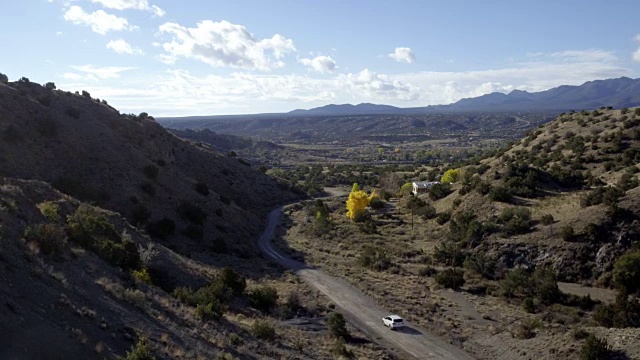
[
  {"x": 358, "y": 201},
  {"x": 450, "y": 176}
]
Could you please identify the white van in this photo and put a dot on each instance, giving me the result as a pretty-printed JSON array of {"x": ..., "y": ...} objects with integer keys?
[{"x": 393, "y": 322}]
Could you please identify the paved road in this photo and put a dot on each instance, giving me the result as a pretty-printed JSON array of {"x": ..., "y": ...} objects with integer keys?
[{"x": 359, "y": 309}]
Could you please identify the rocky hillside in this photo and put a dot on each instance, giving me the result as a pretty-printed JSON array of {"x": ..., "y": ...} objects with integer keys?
[
  {"x": 186, "y": 196},
  {"x": 567, "y": 196}
]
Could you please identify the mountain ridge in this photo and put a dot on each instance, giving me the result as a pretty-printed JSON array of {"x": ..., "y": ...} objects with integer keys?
[{"x": 616, "y": 92}]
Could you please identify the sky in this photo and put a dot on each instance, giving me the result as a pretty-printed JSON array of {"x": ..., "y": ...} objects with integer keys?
[{"x": 216, "y": 57}]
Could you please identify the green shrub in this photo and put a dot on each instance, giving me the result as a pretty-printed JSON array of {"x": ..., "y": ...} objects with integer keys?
[
  {"x": 233, "y": 281},
  {"x": 567, "y": 233},
  {"x": 527, "y": 328},
  {"x": 376, "y": 203},
  {"x": 449, "y": 253},
  {"x": 374, "y": 258},
  {"x": 340, "y": 350},
  {"x": 140, "y": 351},
  {"x": 427, "y": 271},
  {"x": 529, "y": 305},
  {"x": 49, "y": 209},
  {"x": 337, "y": 326},
  {"x": 501, "y": 194},
  {"x": 595, "y": 349},
  {"x": 263, "y": 330},
  {"x": 443, "y": 218},
  {"x": 626, "y": 273},
  {"x": 264, "y": 298},
  {"x": 439, "y": 191},
  {"x": 481, "y": 264},
  {"x": 235, "y": 340},
  {"x": 547, "y": 219},
  {"x": 209, "y": 311},
  {"x": 450, "y": 278},
  {"x": 51, "y": 238}
]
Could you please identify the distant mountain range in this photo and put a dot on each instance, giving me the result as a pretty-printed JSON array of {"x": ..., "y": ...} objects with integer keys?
[{"x": 619, "y": 93}]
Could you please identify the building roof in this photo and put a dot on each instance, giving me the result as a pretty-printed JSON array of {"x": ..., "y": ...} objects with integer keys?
[{"x": 421, "y": 184}]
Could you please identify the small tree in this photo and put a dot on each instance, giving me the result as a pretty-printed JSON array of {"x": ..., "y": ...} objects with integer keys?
[
  {"x": 357, "y": 202},
  {"x": 595, "y": 349},
  {"x": 4, "y": 78},
  {"x": 450, "y": 176},
  {"x": 50, "y": 86},
  {"x": 140, "y": 351},
  {"x": 337, "y": 326},
  {"x": 626, "y": 273}
]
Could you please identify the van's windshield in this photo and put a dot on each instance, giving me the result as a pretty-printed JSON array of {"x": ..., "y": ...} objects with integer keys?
[{"x": 397, "y": 320}]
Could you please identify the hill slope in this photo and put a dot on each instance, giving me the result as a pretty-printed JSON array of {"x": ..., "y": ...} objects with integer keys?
[{"x": 184, "y": 195}]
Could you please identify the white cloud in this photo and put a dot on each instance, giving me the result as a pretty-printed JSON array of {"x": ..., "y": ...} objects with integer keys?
[
  {"x": 403, "y": 54},
  {"x": 90, "y": 73},
  {"x": 322, "y": 64},
  {"x": 181, "y": 92},
  {"x": 131, "y": 4},
  {"x": 224, "y": 44},
  {"x": 636, "y": 54},
  {"x": 122, "y": 47},
  {"x": 585, "y": 55},
  {"x": 99, "y": 21},
  {"x": 378, "y": 87}
]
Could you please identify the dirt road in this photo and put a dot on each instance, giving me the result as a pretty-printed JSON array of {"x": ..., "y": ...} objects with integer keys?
[{"x": 359, "y": 309}]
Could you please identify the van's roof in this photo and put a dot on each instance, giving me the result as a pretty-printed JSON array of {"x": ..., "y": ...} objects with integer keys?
[{"x": 395, "y": 317}]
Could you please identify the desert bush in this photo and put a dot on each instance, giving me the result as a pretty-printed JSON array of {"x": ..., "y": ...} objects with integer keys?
[
  {"x": 148, "y": 188},
  {"x": 514, "y": 282},
  {"x": 263, "y": 330},
  {"x": 376, "y": 203},
  {"x": 626, "y": 273},
  {"x": 208, "y": 311},
  {"x": 202, "y": 188},
  {"x": 162, "y": 228},
  {"x": 51, "y": 238},
  {"x": 140, "y": 351},
  {"x": 439, "y": 191},
  {"x": 481, "y": 264},
  {"x": 501, "y": 194},
  {"x": 527, "y": 328},
  {"x": 529, "y": 305},
  {"x": 264, "y": 298},
  {"x": 233, "y": 281},
  {"x": 374, "y": 258},
  {"x": 151, "y": 171},
  {"x": 44, "y": 100},
  {"x": 443, "y": 218},
  {"x": 4, "y": 79},
  {"x": 339, "y": 349},
  {"x": 450, "y": 278},
  {"x": 595, "y": 349},
  {"x": 142, "y": 275},
  {"x": 427, "y": 271},
  {"x": 515, "y": 220},
  {"x": 449, "y": 253},
  {"x": 337, "y": 325},
  {"x": 547, "y": 219},
  {"x": 49, "y": 209},
  {"x": 73, "y": 112},
  {"x": 567, "y": 233}
]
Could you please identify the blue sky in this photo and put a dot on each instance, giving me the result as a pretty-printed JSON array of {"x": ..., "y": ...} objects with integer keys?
[{"x": 204, "y": 57}]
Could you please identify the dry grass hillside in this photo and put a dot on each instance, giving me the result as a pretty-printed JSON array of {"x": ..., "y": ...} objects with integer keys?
[
  {"x": 76, "y": 285},
  {"x": 513, "y": 260},
  {"x": 186, "y": 196}
]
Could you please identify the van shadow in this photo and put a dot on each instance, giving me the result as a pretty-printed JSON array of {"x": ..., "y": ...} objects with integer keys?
[{"x": 409, "y": 330}]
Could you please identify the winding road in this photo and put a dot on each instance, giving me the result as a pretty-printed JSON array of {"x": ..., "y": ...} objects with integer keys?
[{"x": 359, "y": 309}]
